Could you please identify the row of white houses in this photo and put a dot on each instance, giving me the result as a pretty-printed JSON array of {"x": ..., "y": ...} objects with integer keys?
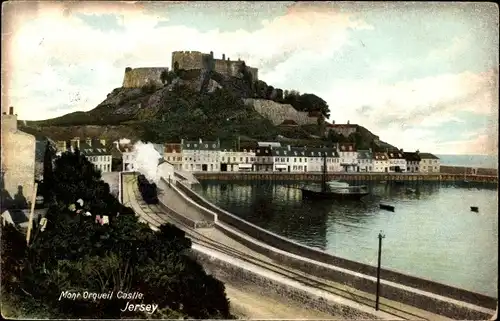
[{"x": 208, "y": 156}]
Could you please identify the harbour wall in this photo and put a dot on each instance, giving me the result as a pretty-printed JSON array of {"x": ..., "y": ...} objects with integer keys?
[
  {"x": 365, "y": 177},
  {"x": 438, "y": 298},
  {"x": 461, "y": 170}
]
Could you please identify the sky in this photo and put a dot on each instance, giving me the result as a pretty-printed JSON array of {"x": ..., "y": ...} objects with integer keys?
[{"x": 420, "y": 75}]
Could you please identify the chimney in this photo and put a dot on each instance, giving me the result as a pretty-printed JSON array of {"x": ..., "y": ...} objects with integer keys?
[
  {"x": 223, "y": 56},
  {"x": 227, "y": 58},
  {"x": 211, "y": 54},
  {"x": 11, "y": 110}
]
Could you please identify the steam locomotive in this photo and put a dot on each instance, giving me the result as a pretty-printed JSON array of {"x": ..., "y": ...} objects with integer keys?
[{"x": 148, "y": 190}]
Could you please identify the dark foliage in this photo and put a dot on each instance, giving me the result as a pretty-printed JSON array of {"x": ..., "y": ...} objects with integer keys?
[{"x": 76, "y": 253}]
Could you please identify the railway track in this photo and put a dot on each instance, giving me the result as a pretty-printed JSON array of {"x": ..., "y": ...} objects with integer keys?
[{"x": 155, "y": 216}]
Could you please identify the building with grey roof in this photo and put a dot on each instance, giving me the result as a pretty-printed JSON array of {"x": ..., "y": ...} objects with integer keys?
[
  {"x": 365, "y": 160},
  {"x": 200, "y": 156}
]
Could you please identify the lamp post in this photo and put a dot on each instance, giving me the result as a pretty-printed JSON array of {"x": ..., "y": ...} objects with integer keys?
[{"x": 380, "y": 237}]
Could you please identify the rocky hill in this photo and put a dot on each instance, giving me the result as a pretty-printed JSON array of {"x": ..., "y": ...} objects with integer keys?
[{"x": 194, "y": 104}]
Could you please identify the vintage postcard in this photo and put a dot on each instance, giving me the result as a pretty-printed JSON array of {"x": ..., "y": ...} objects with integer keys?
[{"x": 249, "y": 160}]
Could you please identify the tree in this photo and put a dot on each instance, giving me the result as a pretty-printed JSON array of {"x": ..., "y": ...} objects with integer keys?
[
  {"x": 13, "y": 253},
  {"x": 47, "y": 172},
  {"x": 74, "y": 252},
  {"x": 311, "y": 102}
]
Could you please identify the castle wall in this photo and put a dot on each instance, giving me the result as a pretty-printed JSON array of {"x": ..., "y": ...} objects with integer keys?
[
  {"x": 139, "y": 77},
  {"x": 188, "y": 59},
  {"x": 198, "y": 60},
  {"x": 277, "y": 112},
  {"x": 254, "y": 72}
]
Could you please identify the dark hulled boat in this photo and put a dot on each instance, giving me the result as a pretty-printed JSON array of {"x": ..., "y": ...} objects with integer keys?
[{"x": 325, "y": 191}]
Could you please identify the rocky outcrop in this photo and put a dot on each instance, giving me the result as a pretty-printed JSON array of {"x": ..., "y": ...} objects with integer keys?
[{"x": 277, "y": 112}]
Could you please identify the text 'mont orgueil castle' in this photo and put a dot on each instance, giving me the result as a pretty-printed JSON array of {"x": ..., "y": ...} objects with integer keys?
[{"x": 187, "y": 60}]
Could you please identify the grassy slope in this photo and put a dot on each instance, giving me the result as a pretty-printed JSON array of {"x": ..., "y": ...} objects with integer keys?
[{"x": 162, "y": 115}]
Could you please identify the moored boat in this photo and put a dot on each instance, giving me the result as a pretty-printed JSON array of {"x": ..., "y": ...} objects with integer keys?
[{"x": 333, "y": 189}]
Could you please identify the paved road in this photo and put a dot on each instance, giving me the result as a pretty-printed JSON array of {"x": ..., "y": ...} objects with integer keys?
[{"x": 215, "y": 239}]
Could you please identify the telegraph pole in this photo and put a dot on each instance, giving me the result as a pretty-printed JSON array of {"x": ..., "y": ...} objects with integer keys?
[{"x": 380, "y": 237}]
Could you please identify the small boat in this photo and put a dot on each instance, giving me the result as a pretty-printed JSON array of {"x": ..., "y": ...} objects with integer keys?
[
  {"x": 351, "y": 193},
  {"x": 387, "y": 207},
  {"x": 411, "y": 191},
  {"x": 474, "y": 209},
  {"x": 337, "y": 184},
  {"x": 333, "y": 189}
]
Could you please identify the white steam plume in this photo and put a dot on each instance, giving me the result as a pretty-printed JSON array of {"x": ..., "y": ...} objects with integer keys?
[
  {"x": 124, "y": 141},
  {"x": 145, "y": 158}
]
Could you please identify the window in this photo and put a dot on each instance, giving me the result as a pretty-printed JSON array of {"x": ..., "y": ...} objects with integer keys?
[{"x": 286, "y": 158}]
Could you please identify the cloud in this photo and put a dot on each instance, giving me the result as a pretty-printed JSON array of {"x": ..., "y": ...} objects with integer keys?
[
  {"x": 63, "y": 57},
  {"x": 55, "y": 32},
  {"x": 424, "y": 102}
]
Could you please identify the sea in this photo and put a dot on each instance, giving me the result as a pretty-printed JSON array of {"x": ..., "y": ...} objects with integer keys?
[
  {"x": 480, "y": 161},
  {"x": 431, "y": 234}
]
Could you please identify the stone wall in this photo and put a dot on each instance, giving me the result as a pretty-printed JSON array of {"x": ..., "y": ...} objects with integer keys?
[
  {"x": 277, "y": 112},
  {"x": 138, "y": 77},
  {"x": 188, "y": 59},
  {"x": 461, "y": 170},
  {"x": 395, "y": 285},
  {"x": 244, "y": 277},
  {"x": 112, "y": 179},
  {"x": 18, "y": 160},
  {"x": 197, "y": 60}
]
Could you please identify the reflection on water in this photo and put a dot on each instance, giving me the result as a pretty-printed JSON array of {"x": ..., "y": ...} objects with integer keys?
[{"x": 432, "y": 233}]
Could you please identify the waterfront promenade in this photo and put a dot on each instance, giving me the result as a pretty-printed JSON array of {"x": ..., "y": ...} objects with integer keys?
[
  {"x": 332, "y": 294},
  {"x": 348, "y": 176}
]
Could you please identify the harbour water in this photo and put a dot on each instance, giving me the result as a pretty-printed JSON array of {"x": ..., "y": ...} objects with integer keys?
[{"x": 433, "y": 234}]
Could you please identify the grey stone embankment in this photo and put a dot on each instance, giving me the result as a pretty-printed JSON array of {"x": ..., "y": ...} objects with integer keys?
[
  {"x": 246, "y": 277},
  {"x": 428, "y": 295},
  {"x": 363, "y": 177}
]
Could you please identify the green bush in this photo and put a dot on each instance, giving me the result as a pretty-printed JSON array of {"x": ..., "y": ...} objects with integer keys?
[{"x": 75, "y": 253}]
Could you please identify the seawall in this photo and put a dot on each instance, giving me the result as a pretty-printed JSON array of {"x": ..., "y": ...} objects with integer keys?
[
  {"x": 243, "y": 276},
  {"x": 469, "y": 171},
  {"x": 421, "y": 293},
  {"x": 365, "y": 177}
]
